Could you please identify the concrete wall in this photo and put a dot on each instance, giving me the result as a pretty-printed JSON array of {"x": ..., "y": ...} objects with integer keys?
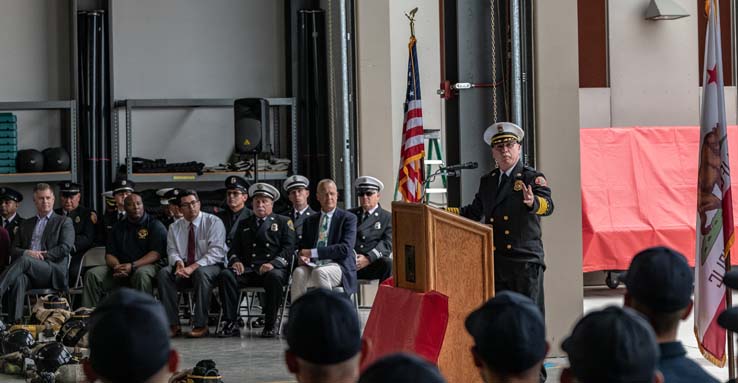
[
  {"x": 557, "y": 111},
  {"x": 654, "y": 72},
  {"x": 382, "y": 37}
]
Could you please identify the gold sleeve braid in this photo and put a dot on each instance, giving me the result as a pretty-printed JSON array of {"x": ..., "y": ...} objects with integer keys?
[
  {"x": 542, "y": 206},
  {"x": 453, "y": 210}
]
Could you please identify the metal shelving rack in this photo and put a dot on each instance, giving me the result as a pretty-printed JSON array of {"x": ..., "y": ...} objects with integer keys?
[
  {"x": 131, "y": 104},
  {"x": 63, "y": 105}
]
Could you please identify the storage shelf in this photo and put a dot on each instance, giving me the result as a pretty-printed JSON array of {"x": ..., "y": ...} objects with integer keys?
[
  {"x": 35, "y": 177},
  {"x": 36, "y": 105},
  {"x": 205, "y": 177}
]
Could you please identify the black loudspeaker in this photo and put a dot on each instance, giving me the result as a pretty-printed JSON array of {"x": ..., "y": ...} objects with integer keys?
[{"x": 251, "y": 119}]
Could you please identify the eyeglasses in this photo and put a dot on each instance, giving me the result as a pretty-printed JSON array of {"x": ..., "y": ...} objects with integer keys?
[
  {"x": 365, "y": 194},
  {"x": 500, "y": 146},
  {"x": 189, "y": 205}
]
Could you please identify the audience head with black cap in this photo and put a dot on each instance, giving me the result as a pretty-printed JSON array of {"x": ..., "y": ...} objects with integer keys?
[
  {"x": 509, "y": 338},
  {"x": 401, "y": 368},
  {"x": 613, "y": 345},
  {"x": 70, "y": 195},
  {"x": 122, "y": 188},
  {"x": 367, "y": 191},
  {"x": 504, "y": 138},
  {"x": 296, "y": 187},
  {"x": 659, "y": 284},
  {"x": 10, "y": 199},
  {"x": 263, "y": 196},
  {"x": 161, "y": 193},
  {"x": 129, "y": 340},
  {"x": 324, "y": 338},
  {"x": 237, "y": 193},
  {"x": 172, "y": 197}
]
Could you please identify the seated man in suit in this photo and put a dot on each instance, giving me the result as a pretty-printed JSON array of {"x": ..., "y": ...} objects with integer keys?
[
  {"x": 133, "y": 255},
  {"x": 373, "y": 233},
  {"x": 326, "y": 256},
  {"x": 197, "y": 253},
  {"x": 297, "y": 192},
  {"x": 260, "y": 255},
  {"x": 41, "y": 253}
]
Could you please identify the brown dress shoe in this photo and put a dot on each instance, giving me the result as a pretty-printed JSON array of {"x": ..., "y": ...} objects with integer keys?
[
  {"x": 174, "y": 331},
  {"x": 198, "y": 332}
]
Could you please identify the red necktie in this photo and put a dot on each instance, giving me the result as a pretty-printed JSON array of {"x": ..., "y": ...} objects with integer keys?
[{"x": 191, "y": 245}]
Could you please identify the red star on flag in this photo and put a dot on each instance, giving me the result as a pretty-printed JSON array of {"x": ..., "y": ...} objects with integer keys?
[{"x": 712, "y": 75}]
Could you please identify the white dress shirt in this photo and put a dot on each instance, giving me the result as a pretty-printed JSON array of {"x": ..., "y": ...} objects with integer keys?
[{"x": 210, "y": 236}]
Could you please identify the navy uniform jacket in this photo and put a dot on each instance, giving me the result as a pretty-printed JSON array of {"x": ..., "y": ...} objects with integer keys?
[
  {"x": 13, "y": 226},
  {"x": 109, "y": 220},
  {"x": 129, "y": 241},
  {"x": 341, "y": 240},
  {"x": 57, "y": 240},
  {"x": 300, "y": 221},
  {"x": 677, "y": 368},
  {"x": 274, "y": 242},
  {"x": 84, "y": 221},
  {"x": 231, "y": 221},
  {"x": 374, "y": 235},
  {"x": 516, "y": 228}
]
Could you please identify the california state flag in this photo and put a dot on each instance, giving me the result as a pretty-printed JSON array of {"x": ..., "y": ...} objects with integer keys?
[{"x": 714, "y": 202}]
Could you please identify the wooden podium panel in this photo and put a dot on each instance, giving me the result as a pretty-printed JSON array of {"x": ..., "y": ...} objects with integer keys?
[{"x": 437, "y": 250}]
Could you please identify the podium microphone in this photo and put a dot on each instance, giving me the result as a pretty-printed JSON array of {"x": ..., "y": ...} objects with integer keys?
[{"x": 467, "y": 165}]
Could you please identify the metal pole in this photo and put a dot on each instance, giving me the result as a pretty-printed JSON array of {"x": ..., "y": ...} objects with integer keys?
[
  {"x": 347, "y": 195},
  {"x": 516, "y": 97}
]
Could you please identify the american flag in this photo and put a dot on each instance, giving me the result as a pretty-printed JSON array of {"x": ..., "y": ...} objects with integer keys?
[
  {"x": 410, "y": 179},
  {"x": 715, "y": 233}
]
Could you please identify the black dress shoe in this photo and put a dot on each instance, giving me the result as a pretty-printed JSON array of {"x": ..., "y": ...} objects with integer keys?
[
  {"x": 268, "y": 333},
  {"x": 258, "y": 323},
  {"x": 229, "y": 329}
]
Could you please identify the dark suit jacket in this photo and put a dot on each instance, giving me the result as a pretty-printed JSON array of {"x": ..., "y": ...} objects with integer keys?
[
  {"x": 374, "y": 234},
  {"x": 341, "y": 240},
  {"x": 57, "y": 240}
]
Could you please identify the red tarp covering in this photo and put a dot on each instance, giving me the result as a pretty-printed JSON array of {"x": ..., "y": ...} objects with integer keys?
[
  {"x": 403, "y": 320},
  {"x": 639, "y": 189}
]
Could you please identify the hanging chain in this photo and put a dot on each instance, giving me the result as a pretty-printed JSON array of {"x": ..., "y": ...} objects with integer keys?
[{"x": 494, "y": 59}]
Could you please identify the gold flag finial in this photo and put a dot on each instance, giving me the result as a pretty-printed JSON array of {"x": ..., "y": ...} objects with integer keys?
[{"x": 411, "y": 16}]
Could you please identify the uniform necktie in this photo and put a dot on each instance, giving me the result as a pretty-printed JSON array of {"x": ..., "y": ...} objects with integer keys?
[
  {"x": 191, "y": 245},
  {"x": 120, "y": 216},
  {"x": 5, "y": 223},
  {"x": 364, "y": 217},
  {"x": 323, "y": 232},
  {"x": 503, "y": 179},
  {"x": 259, "y": 222},
  {"x": 297, "y": 215}
]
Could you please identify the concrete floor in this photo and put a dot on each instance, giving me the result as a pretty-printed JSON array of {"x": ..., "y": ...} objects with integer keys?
[{"x": 252, "y": 359}]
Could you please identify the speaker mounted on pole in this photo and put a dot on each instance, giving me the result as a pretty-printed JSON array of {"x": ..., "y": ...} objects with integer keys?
[{"x": 251, "y": 120}]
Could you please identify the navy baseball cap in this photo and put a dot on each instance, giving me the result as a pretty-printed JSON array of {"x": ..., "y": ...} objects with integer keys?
[
  {"x": 401, "y": 368},
  {"x": 660, "y": 278},
  {"x": 129, "y": 338},
  {"x": 509, "y": 332},
  {"x": 236, "y": 182},
  {"x": 323, "y": 328},
  {"x": 613, "y": 345}
]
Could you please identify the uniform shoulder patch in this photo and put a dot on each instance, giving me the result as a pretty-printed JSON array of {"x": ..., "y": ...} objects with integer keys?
[
  {"x": 93, "y": 217},
  {"x": 540, "y": 181},
  {"x": 290, "y": 225}
]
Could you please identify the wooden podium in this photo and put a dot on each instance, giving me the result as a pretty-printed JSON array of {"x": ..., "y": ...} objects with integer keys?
[{"x": 436, "y": 250}]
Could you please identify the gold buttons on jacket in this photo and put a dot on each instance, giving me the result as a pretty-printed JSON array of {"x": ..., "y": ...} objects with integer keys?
[
  {"x": 505, "y": 218},
  {"x": 507, "y": 232},
  {"x": 491, "y": 219},
  {"x": 509, "y": 247}
]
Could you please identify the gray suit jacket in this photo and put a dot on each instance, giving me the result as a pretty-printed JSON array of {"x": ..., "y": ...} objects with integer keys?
[{"x": 57, "y": 240}]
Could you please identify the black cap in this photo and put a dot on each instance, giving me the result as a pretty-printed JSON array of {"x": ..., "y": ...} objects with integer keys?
[
  {"x": 173, "y": 196},
  {"x": 12, "y": 194},
  {"x": 613, "y": 345},
  {"x": 122, "y": 185},
  {"x": 236, "y": 182},
  {"x": 660, "y": 278},
  {"x": 129, "y": 338},
  {"x": 509, "y": 332},
  {"x": 68, "y": 188},
  {"x": 401, "y": 368},
  {"x": 323, "y": 328}
]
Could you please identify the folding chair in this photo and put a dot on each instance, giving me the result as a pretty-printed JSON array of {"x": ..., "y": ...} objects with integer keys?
[{"x": 93, "y": 257}]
